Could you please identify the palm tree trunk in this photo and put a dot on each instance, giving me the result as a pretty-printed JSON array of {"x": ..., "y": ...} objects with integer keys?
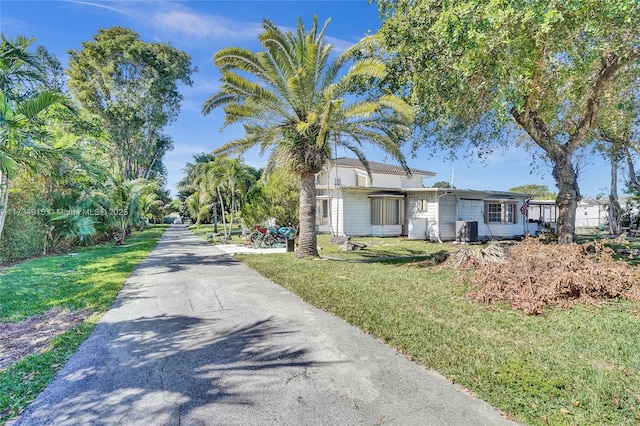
[
  {"x": 4, "y": 199},
  {"x": 307, "y": 243},
  {"x": 224, "y": 220}
]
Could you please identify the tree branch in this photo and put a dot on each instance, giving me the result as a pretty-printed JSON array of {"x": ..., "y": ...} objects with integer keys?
[
  {"x": 633, "y": 179},
  {"x": 610, "y": 65}
]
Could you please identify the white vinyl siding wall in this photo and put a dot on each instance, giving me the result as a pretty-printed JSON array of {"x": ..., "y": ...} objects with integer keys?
[
  {"x": 422, "y": 215},
  {"x": 446, "y": 217},
  {"x": 356, "y": 214}
]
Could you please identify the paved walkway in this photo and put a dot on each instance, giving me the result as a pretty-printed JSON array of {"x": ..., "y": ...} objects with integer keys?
[{"x": 197, "y": 338}]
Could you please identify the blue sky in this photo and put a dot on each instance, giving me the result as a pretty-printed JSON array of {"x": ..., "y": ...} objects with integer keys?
[{"x": 200, "y": 28}]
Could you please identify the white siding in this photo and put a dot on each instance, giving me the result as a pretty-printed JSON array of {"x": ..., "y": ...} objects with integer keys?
[
  {"x": 334, "y": 225},
  {"x": 347, "y": 177},
  {"x": 422, "y": 218},
  {"x": 590, "y": 216},
  {"x": 386, "y": 230},
  {"x": 357, "y": 214},
  {"x": 446, "y": 217}
]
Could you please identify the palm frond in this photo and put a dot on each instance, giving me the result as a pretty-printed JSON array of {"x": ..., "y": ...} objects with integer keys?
[{"x": 216, "y": 100}]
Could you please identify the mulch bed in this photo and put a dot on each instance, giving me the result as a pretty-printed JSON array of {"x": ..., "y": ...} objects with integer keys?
[{"x": 33, "y": 335}]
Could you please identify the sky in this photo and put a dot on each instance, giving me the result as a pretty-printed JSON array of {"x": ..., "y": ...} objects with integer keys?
[{"x": 200, "y": 28}]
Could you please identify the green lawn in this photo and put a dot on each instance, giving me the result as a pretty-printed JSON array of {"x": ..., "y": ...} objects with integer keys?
[
  {"x": 89, "y": 280},
  {"x": 207, "y": 230},
  {"x": 578, "y": 366}
]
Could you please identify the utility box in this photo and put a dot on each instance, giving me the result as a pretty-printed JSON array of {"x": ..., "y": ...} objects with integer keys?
[{"x": 466, "y": 232}]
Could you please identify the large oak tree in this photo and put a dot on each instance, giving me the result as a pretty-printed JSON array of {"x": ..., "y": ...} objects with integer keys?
[{"x": 478, "y": 67}]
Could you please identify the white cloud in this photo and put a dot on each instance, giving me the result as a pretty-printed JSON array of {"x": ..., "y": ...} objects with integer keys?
[{"x": 172, "y": 17}]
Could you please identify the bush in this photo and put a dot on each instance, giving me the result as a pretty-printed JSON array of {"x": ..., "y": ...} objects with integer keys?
[{"x": 24, "y": 232}]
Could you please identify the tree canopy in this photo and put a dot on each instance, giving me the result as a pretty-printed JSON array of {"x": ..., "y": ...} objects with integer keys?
[
  {"x": 478, "y": 69},
  {"x": 539, "y": 192},
  {"x": 132, "y": 86},
  {"x": 24, "y": 106}
]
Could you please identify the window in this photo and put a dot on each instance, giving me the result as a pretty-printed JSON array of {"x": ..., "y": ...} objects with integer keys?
[
  {"x": 422, "y": 205},
  {"x": 494, "y": 213},
  {"x": 500, "y": 212},
  {"x": 322, "y": 212},
  {"x": 387, "y": 211}
]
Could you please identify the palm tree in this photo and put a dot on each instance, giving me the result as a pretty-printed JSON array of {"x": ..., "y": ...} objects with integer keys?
[
  {"x": 191, "y": 171},
  {"x": 198, "y": 204},
  {"x": 292, "y": 100},
  {"x": 149, "y": 207},
  {"x": 22, "y": 110},
  {"x": 232, "y": 180},
  {"x": 121, "y": 207}
]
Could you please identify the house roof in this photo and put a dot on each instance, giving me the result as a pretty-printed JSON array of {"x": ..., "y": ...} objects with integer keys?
[{"x": 375, "y": 167}]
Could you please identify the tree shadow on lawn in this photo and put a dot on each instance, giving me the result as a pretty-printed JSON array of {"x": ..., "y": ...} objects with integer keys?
[
  {"x": 168, "y": 368},
  {"x": 393, "y": 258}
]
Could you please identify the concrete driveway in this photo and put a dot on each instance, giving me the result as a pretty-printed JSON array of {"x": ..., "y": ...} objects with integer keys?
[{"x": 197, "y": 338}]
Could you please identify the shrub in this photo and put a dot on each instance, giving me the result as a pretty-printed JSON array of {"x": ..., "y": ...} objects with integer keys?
[{"x": 24, "y": 232}]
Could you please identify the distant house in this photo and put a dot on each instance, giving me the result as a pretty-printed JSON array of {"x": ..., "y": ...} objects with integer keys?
[
  {"x": 388, "y": 203},
  {"x": 591, "y": 213}
]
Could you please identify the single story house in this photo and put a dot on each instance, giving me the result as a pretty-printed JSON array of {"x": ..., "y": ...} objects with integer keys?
[{"x": 389, "y": 203}]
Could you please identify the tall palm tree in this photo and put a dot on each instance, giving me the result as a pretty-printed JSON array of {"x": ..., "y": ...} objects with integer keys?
[
  {"x": 191, "y": 171},
  {"x": 292, "y": 99},
  {"x": 22, "y": 113},
  {"x": 232, "y": 179}
]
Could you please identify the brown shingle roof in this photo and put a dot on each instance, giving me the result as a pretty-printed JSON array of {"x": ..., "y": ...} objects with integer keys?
[{"x": 375, "y": 167}]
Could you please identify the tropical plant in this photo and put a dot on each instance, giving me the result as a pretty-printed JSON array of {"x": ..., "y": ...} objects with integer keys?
[
  {"x": 275, "y": 196},
  {"x": 150, "y": 206},
  {"x": 186, "y": 186},
  {"x": 228, "y": 179},
  {"x": 23, "y": 108},
  {"x": 120, "y": 207},
  {"x": 292, "y": 99},
  {"x": 198, "y": 204}
]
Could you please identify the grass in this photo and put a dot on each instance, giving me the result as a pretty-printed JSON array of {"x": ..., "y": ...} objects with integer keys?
[
  {"x": 578, "y": 366},
  {"x": 91, "y": 280},
  {"x": 207, "y": 229}
]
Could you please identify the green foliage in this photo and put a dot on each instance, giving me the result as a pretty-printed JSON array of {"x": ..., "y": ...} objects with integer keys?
[
  {"x": 25, "y": 119},
  {"x": 121, "y": 204},
  {"x": 275, "y": 196},
  {"x": 539, "y": 192},
  {"x": 198, "y": 205},
  {"x": 442, "y": 184},
  {"x": 132, "y": 86},
  {"x": 24, "y": 234},
  {"x": 217, "y": 183},
  {"x": 90, "y": 280}
]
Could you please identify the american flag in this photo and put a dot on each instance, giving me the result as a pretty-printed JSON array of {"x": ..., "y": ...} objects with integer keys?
[{"x": 525, "y": 208}]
